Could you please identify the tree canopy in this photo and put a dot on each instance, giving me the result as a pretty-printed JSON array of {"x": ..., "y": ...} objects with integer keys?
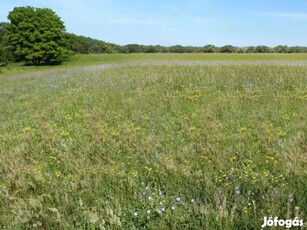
[
  {"x": 36, "y": 35},
  {"x": 5, "y": 55},
  {"x": 85, "y": 45}
]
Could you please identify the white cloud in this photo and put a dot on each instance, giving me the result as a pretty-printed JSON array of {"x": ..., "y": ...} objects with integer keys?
[{"x": 302, "y": 16}]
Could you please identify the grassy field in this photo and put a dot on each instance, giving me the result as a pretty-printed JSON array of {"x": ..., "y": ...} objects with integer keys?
[
  {"x": 113, "y": 58},
  {"x": 154, "y": 147},
  {"x": 98, "y": 59}
]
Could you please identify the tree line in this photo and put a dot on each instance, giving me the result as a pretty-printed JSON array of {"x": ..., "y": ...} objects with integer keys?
[
  {"x": 86, "y": 45},
  {"x": 134, "y": 48},
  {"x": 37, "y": 36}
]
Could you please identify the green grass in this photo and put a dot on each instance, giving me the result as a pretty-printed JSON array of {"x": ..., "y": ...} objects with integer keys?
[
  {"x": 77, "y": 150},
  {"x": 98, "y": 59},
  {"x": 92, "y": 59}
]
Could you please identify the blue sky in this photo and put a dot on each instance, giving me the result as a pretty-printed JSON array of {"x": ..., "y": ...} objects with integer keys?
[{"x": 183, "y": 22}]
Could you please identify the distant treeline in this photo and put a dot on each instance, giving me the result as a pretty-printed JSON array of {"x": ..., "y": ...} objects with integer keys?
[
  {"x": 211, "y": 49},
  {"x": 85, "y": 45}
]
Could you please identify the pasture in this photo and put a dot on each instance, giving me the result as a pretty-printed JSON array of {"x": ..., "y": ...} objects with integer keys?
[{"x": 154, "y": 147}]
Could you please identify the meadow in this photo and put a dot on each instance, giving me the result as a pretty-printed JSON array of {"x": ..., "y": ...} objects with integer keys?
[
  {"x": 78, "y": 60},
  {"x": 154, "y": 147}
]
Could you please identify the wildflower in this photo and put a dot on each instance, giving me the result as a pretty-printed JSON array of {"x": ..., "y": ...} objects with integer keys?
[
  {"x": 251, "y": 193},
  {"x": 147, "y": 168},
  {"x": 283, "y": 185},
  {"x": 192, "y": 129},
  {"x": 282, "y": 133},
  {"x": 64, "y": 133},
  {"x": 161, "y": 203},
  {"x": 163, "y": 209},
  {"x": 115, "y": 133},
  {"x": 150, "y": 198},
  {"x": 193, "y": 200},
  {"x": 145, "y": 117},
  {"x": 177, "y": 200},
  {"x": 143, "y": 194},
  {"x": 147, "y": 188},
  {"x": 291, "y": 198},
  {"x": 281, "y": 143},
  {"x": 243, "y": 129},
  {"x": 142, "y": 183},
  {"x": 173, "y": 207},
  {"x": 135, "y": 214},
  {"x": 27, "y": 129},
  {"x": 249, "y": 204},
  {"x": 160, "y": 193},
  {"x": 68, "y": 117},
  {"x": 159, "y": 212}
]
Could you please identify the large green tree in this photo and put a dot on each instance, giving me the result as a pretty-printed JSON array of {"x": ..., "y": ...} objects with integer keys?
[
  {"x": 5, "y": 55},
  {"x": 1, "y": 42},
  {"x": 36, "y": 35},
  {"x": 2, "y": 24}
]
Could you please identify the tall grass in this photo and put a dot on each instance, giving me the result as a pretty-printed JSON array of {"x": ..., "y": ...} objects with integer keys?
[{"x": 216, "y": 147}]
